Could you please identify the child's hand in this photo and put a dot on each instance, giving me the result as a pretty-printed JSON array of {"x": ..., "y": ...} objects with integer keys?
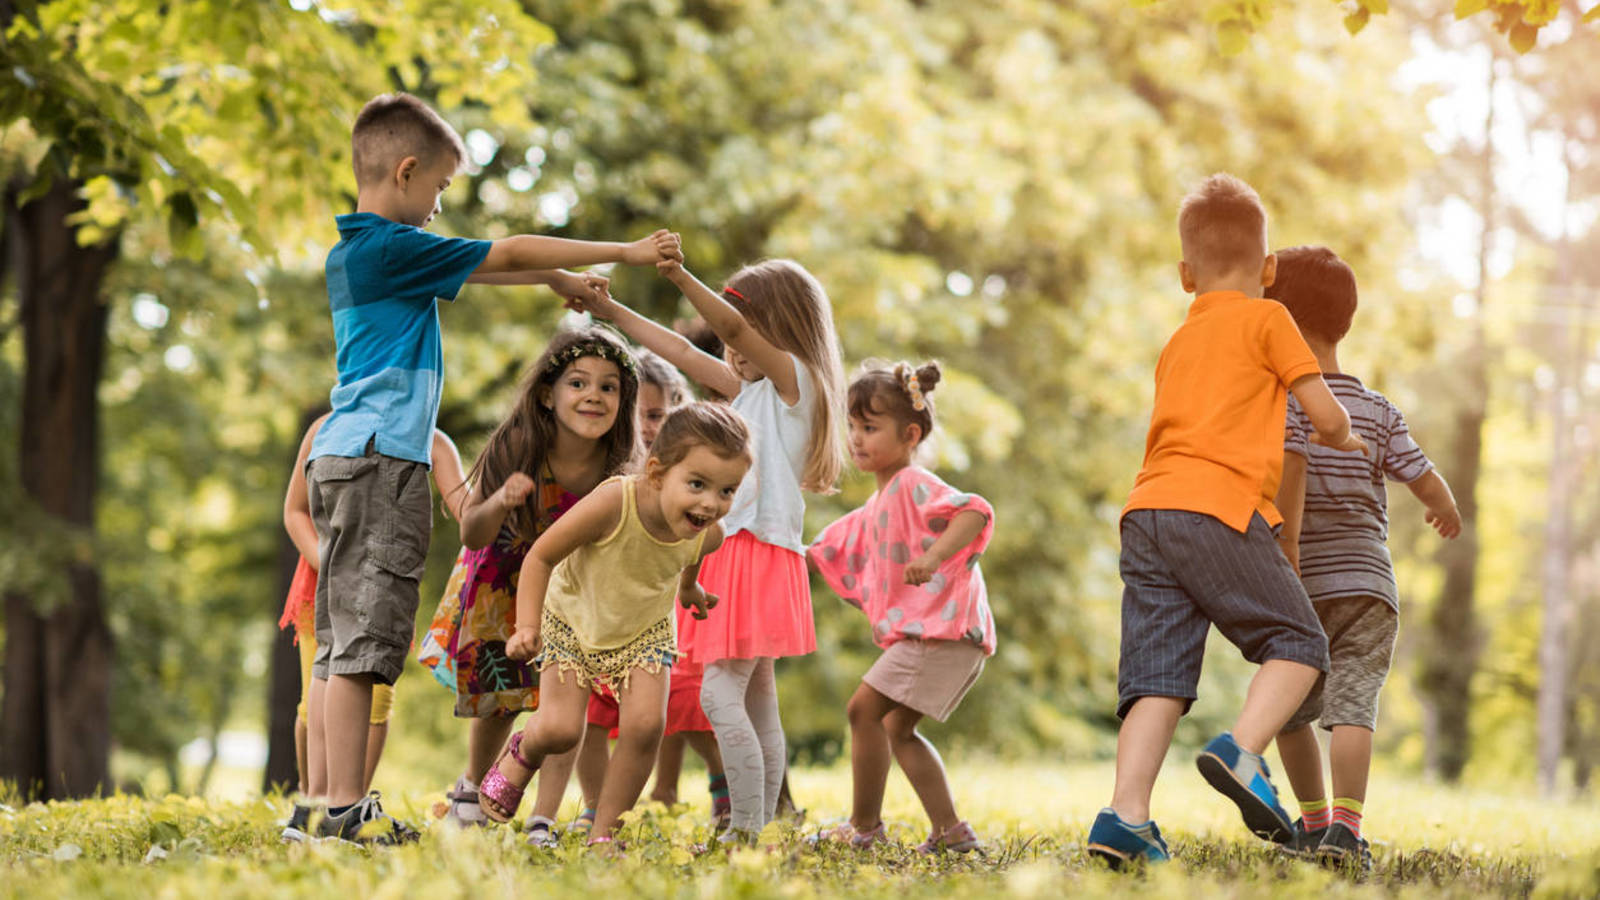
[
  {"x": 1447, "y": 523},
  {"x": 921, "y": 569},
  {"x": 669, "y": 269},
  {"x": 599, "y": 304},
  {"x": 515, "y": 491},
  {"x": 662, "y": 245},
  {"x": 574, "y": 287},
  {"x": 525, "y": 643},
  {"x": 698, "y": 600},
  {"x": 1352, "y": 444}
]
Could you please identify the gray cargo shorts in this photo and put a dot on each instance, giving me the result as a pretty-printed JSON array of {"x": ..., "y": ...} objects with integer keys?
[
  {"x": 1361, "y": 632},
  {"x": 374, "y": 516}
]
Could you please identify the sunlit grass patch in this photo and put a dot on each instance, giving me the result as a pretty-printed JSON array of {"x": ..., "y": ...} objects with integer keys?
[{"x": 1032, "y": 819}]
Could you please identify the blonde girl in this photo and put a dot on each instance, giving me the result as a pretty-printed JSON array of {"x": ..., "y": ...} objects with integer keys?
[
  {"x": 571, "y": 427},
  {"x": 781, "y": 367},
  {"x": 594, "y": 605}
]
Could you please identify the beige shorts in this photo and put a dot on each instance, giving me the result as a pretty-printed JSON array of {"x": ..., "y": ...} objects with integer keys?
[
  {"x": 930, "y": 677},
  {"x": 1361, "y": 633}
]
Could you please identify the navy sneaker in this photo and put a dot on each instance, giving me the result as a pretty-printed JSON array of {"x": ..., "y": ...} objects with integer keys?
[
  {"x": 365, "y": 824},
  {"x": 1304, "y": 843},
  {"x": 1342, "y": 849},
  {"x": 298, "y": 829},
  {"x": 1243, "y": 777},
  {"x": 1119, "y": 843}
]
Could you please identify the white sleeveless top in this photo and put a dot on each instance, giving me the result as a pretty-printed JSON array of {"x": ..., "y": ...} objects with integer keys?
[{"x": 768, "y": 503}]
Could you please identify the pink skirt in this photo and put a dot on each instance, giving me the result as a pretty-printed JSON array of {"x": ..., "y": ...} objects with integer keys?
[{"x": 763, "y": 609}]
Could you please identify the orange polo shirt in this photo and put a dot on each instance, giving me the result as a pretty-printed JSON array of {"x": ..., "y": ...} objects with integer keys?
[{"x": 1216, "y": 434}]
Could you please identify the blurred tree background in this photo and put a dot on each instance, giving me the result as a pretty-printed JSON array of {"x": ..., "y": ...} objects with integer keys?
[{"x": 993, "y": 185}]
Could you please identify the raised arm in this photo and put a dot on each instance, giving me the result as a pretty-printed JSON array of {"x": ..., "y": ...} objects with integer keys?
[
  {"x": 1328, "y": 416},
  {"x": 1435, "y": 494},
  {"x": 589, "y": 520},
  {"x": 700, "y": 366},
  {"x": 531, "y": 251},
  {"x": 1291, "y": 503},
  {"x": 729, "y": 325},
  {"x": 297, "y": 502},
  {"x": 447, "y": 474},
  {"x": 966, "y": 526},
  {"x": 481, "y": 517}
]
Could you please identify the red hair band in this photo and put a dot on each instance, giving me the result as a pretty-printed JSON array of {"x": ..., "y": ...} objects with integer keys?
[{"x": 729, "y": 290}]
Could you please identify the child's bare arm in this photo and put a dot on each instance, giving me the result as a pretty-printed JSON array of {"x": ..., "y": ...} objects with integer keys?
[
  {"x": 1328, "y": 416},
  {"x": 569, "y": 286},
  {"x": 531, "y": 251},
  {"x": 966, "y": 526},
  {"x": 1291, "y": 502},
  {"x": 690, "y": 594},
  {"x": 447, "y": 474},
  {"x": 735, "y": 331},
  {"x": 589, "y": 520},
  {"x": 700, "y": 366},
  {"x": 1442, "y": 514},
  {"x": 481, "y": 517},
  {"x": 297, "y": 503}
]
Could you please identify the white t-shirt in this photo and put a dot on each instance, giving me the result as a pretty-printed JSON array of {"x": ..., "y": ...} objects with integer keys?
[{"x": 768, "y": 503}]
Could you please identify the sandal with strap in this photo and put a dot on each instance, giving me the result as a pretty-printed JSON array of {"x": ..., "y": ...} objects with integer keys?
[
  {"x": 846, "y": 833},
  {"x": 497, "y": 796},
  {"x": 959, "y": 838},
  {"x": 584, "y": 823},
  {"x": 463, "y": 807}
]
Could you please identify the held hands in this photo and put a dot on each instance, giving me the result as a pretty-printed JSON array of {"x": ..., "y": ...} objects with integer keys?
[
  {"x": 1447, "y": 523},
  {"x": 698, "y": 600},
  {"x": 599, "y": 303},
  {"x": 921, "y": 569},
  {"x": 576, "y": 287},
  {"x": 514, "y": 492},
  {"x": 658, "y": 248},
  {"x": 1352, "y": 444},
  {"x": 525, "y": 643}
]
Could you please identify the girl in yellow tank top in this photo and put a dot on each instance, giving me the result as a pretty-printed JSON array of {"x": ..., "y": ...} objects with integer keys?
[{"x": 594, "y": 604}]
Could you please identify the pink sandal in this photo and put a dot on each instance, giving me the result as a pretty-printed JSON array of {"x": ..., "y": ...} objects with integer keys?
[{"x": 497, "y": 796}]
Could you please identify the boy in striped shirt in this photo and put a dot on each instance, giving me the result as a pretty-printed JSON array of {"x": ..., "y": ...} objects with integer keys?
[{"x": 1335, "y": 532}]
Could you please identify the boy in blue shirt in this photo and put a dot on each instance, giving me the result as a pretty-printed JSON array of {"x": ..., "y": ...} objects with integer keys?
[{"x": 367, "y": 474}]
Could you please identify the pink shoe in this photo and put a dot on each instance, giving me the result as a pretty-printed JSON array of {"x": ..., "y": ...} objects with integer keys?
[
  {"x": 960, "y": 838},
  {"x": 847, "y": 833},
  {"x": 497, "y": 796}
]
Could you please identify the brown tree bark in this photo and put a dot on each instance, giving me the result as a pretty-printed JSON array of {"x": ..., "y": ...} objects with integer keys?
[{"x": 55, "y": 720}]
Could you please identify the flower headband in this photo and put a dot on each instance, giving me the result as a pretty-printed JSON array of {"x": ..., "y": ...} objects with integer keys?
[
  {"x": 602, "y": 349},
  {"x": 914, "y": 388}
]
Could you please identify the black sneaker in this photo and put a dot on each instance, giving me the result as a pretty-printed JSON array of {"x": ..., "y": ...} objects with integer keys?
[
  {"x": 1303, "y": 844},
  {"x": 365, "y": 824},
  {"x": 298, "y": 829},
  {"x": 1342, "y": 849}
]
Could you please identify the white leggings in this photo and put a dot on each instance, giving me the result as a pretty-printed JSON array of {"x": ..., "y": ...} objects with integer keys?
[{"x": 740, "y": 698}]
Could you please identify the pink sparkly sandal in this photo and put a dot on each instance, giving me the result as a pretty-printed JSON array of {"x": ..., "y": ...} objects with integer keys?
[
  {"x": 497, "y": 796},
  {"x": 959, "y": 839}
]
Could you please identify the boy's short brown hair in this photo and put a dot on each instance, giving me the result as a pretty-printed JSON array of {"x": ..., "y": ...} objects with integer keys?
[
  {"x": 1319, "y": 290},
  {"x": 392, "y": 127},
  {"x": 1223, "y": 226}
]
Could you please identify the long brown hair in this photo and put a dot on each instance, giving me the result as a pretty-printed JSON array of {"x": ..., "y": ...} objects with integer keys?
[
  {"x": 786, "y": 305},
  {"x": 522, "y": 442}
]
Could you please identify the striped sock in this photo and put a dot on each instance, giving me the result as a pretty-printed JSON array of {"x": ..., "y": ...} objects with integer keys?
[
  {"x": 1347, "y": 812},
  {"x": 719, "y": 795},
  {"x": 1316, "y": 814}
]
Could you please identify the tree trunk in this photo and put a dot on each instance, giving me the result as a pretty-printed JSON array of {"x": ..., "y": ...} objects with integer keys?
[
  {"x": 283, "y": 699},
  {"x": 1451, "y": 659},
  {"x": 57, "y": 714}
]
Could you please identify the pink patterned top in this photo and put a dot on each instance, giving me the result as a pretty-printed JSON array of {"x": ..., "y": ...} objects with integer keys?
[{"x": 863, "y": 557}]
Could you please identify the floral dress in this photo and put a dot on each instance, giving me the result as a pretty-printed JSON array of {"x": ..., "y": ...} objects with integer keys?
[{"x": 465, "y": 646}]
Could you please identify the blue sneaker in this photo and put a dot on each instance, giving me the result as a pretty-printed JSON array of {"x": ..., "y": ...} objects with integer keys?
[
  {"x": 1117, "y": 842},
  {"x": 1243, "y": 777}
]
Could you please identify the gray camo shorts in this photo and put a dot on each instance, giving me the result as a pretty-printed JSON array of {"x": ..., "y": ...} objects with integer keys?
[
  {"x": 374, "y": 517},
  {"x": 1361, "y": 632}
]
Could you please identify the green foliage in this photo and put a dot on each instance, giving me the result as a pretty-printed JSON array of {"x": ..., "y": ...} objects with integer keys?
[
  {"x": 1235, "y": 21},
  {"x": 133, "y": 847}
]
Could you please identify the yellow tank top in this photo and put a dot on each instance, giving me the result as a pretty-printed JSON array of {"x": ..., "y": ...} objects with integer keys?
[{"x": 612, "y": 590}]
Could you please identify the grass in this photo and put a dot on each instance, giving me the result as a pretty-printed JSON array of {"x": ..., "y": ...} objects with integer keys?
[{"x": 1458, "y": 844}]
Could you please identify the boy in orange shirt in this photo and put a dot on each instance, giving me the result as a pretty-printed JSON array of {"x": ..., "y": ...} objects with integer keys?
[{"x": 1198, "y": 545}]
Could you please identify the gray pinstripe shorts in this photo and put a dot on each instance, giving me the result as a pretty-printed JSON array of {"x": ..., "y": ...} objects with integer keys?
[{"x": 1183, "y": 572}]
